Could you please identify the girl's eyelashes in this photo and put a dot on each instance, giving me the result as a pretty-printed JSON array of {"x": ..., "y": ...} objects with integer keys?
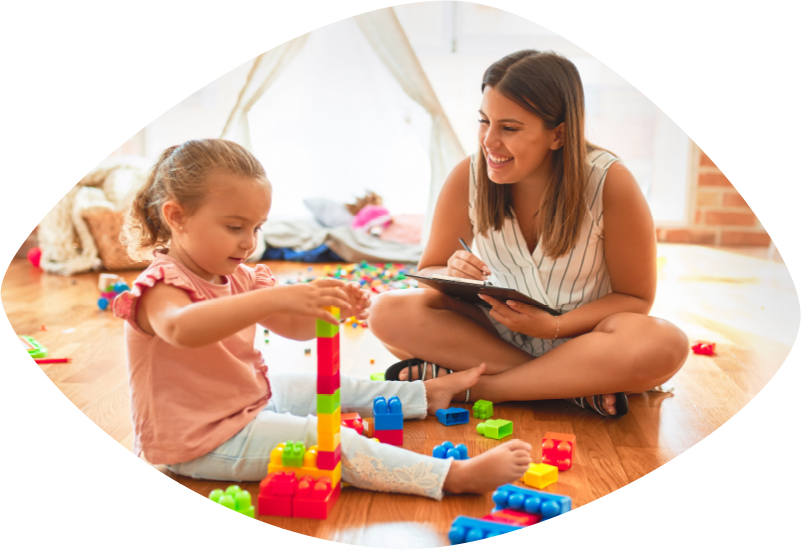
[
  {"x": 483, "y": 121},
  {"x": 505, "y": 128}
]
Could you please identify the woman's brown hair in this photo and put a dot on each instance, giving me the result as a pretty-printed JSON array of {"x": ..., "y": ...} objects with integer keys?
[
  {"x": 549, "y": 86},
  {"x": 180, "y": 175}
]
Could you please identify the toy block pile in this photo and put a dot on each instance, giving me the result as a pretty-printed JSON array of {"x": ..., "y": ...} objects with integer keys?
[
  {"x": 234, "y": 498},
  {"x": 515, "y": 508},
  {"x": 388, "y": 420},
  {"x": 306, "y": 483},
  {"x": 110, "y": 287}
]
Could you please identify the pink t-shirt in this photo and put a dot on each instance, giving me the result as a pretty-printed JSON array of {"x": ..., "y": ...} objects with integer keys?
[{"x": 186, "y": 402}]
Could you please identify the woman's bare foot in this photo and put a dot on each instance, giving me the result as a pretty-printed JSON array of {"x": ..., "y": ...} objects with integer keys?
[
  {"x": 440, "y": 390},
  {"x": 504, "y": 464},
  {"x": 608, "y": 401}
]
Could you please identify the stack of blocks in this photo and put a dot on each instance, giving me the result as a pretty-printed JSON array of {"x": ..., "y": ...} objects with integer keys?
[{"x": 305, "y": 483}]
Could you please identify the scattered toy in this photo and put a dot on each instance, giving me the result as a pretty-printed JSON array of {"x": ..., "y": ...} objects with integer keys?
[
  {"x": 453, "y": 416},
  {"x": 387, "y": 415},
  {"x": 540, "y": 476},
  {"x": 53, "y": 360},
  {"x": 447, "y": 450},
  {"x": 557, "y": 449},
  {"x": 495, "y": 428},
  {"x": 372, "y": 361},
  {"x": 35, "y": 256},
  {"x": 703, "y": 348},
  {"x": 234, "y": 498},
  {"x": 35, "y": 349},
  {"x": 353, "y": 420},
  {"x": 306, "y": 351},
  {"x": 482, "y": 409},
  {"x": 377, "y": 377}
]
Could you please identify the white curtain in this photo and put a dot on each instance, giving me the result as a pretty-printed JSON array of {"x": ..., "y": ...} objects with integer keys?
[
  {"x": 266, "y": 70},
  {"x": 385, "y": 34},
  {"x": 383, "y": 31}
]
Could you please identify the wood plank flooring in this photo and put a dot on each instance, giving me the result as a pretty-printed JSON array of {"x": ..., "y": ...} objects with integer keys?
[{"x": 747, "y": 305}]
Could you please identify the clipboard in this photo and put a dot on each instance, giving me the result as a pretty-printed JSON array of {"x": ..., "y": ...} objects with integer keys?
[{"x": 469, "y": 292}]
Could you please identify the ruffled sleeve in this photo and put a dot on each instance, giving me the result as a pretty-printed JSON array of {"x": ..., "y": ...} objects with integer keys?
[
  {"x": 125, "y": 304},
  {"x": 263, "y": 277}
]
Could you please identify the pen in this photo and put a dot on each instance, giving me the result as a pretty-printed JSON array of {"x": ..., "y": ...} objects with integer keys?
[{"x": 464, "y": 245}]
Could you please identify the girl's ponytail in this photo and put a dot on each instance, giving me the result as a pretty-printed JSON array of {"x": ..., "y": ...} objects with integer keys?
[{"x": 143, "y": 229}]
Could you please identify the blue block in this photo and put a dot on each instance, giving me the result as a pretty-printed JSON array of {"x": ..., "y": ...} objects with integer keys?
[
  {"x": 465, "y": 529},
  {"x": 387, "y": 415},
  {"x": 447, "y": 450},
  {"x": 453, "y": 416},
  {"x": 547, "y": 505}
]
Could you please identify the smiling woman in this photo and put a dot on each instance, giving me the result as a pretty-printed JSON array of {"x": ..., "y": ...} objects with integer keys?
[{"x": 557, "y": 219}]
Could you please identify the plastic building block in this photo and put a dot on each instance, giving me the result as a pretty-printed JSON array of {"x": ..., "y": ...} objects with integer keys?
[
  {"x": 328, "y": 441},
  {"x": 453, "y": 416},
  {"x": 35, "y": 349},
  {"x": 513, "y": 517},
  {"x": 482, "y": 409},
  {"x": 557, "y": 449},
  {"x": 329, "y": 423},
  {"x": 327, "y": 383},
  {"x": 447, "y": 450},
  {"x": 547, "y": 505},
  {"x": 309, "y": 467},
  {"x": 465, "y": 529},
  {"x": 293, "y": 454},
  {"x": 387, "y": 415},
  {"x": 315, "y": 498},
  {"x": 377, "y": 376},
  {"x": 234, "y": 498},
  {"x": 327, "y": 356},
  {"x": 327, "y": 403},
  {"x": 328, "y": 460},
  {"x": 703, "y": 348},
  {"x": 276, "y": 492},
  {"x": 495, "y": 428},
  {"x": 540, "y": 476},
  {"x": 393, "y": 437},
  {"x": 353, "y": 420},
  {"x": 326, "y": 330}
]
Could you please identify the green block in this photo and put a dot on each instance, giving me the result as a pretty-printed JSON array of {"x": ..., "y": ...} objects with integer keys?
[
  {"x": 293, "y": 454},
  {"x": 377, "y": 377},
  {"x": 495, "y": 428},
  {"x": 326, "y": 330},
  {"x": 234, "y": 498},
  {"x": 482, "y": 409},
  {"x": 327, "y": 403}
]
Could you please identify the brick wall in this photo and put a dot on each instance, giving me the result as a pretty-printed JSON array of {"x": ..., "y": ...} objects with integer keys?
[{"x": 718, "y": 214}]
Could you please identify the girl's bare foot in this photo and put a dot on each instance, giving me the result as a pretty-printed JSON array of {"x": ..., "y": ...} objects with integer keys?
[
  {"x": 440, "y": 390},
  {"x": 504, "y": 464}
]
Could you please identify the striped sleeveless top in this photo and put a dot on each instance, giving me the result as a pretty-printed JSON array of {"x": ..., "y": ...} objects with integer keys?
[{"x": 564, "y": 283}]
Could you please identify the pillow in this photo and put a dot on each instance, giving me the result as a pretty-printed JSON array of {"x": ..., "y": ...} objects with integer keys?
[
  {"x": 327, "y": 212},
  {"x": 106, "y": 226}
]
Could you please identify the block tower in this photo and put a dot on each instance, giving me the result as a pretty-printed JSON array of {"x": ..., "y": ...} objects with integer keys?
[{"x": 305, "y": 483}]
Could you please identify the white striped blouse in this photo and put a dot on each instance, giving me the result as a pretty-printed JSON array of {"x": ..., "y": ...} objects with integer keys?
[{"x": 564, "y": 283}]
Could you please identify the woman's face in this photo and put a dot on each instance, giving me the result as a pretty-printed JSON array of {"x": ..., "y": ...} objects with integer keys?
[{"x": 516, "y": 143}]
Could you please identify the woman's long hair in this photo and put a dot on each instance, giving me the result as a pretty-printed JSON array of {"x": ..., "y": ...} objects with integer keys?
[{"x": 549, "y": 86}]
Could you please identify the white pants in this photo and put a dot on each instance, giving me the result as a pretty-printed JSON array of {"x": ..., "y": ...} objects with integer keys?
[{"x": 290, "y": 416}]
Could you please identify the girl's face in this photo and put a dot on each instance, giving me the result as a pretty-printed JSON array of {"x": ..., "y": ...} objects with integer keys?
[
  {"x": 223, "y": 231},
  {"x": 516, "y": 144}
]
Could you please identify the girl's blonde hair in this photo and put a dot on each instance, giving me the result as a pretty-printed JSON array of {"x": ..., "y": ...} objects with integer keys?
[
  {"x": 180, "y": 175},
  {"x": 549, "y": 86}
]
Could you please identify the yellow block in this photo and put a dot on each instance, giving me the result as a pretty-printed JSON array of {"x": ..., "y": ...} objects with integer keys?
[
  {"x": 540, "y": 476},
  {"x": 329, "y": 423},
  {"x": 328, "y": 441},
  {"x": 334, "y": 475},
  {"x": 332, "y": 310}
]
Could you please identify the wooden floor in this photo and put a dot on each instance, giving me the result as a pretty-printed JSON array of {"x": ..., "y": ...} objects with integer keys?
[{"x": 746, "y": 304}]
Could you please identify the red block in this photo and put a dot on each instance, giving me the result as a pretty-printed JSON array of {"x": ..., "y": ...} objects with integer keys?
[
  {"x": 275, "y": 494},
  {"x": 557, "y": 450},
  {"x": 703, "y": 348},
  {"x": 327, "y": 384},
  {"x": 328, "y": 460},
  {"x": 513, "y": 517},
  {"x": 328, "y": 356},
  {"x": 353, "y": 420},
  {"x": 393, "y": 437},
  {"x": 315, "y": 499}
]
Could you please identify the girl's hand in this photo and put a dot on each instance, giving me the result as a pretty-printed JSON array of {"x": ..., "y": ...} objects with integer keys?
[
  {"x": 467, "y": 266},
  {"x": 358, "y": 301},
  {"x": 522, "y": 318},
  {"x": 309, "y": 299}
]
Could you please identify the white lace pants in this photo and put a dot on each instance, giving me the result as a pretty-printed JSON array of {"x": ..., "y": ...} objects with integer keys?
[{"x": 290, "y": 416}]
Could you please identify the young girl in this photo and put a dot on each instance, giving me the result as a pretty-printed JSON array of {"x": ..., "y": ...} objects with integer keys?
[
  {"x": 557, "y": 219},
  {"x": 201, "y": 398}
]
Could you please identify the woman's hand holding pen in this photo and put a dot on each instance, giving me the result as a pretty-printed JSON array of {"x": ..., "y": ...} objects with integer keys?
[{"x": 464, "y": 264}]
